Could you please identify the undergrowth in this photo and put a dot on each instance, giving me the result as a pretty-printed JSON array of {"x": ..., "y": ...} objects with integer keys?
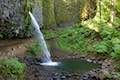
[
  {"x": 33, "y": 49},
  {"x": 12, "y": 69},
  {"x": 80, "y": 38}
]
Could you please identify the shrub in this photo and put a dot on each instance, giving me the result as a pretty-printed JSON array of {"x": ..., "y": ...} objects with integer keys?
[
  {"x": 33, "y": 49},
  {"x": 106, "y": 32},
  {"x": 76, "y": 38},
  {"x": 12, "y": 68},
  {"x": 116, "y": 51},
  {"x": 102, "y": 47},
  {"x": 117, "y": 67},
  {"x": 116, "y": 74},
  {"x": 116, "y": 48},
  {"x": 83, "y": 39},
  {"x": 113, "y": 76}
]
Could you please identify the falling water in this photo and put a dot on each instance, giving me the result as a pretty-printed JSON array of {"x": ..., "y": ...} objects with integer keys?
[{"x": 46, "y": 57}]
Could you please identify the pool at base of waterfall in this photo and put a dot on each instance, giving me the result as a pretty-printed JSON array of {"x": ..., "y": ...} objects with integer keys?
[
  {"x": 76, "y": 65},
  {"x": 50, "y": 64}
]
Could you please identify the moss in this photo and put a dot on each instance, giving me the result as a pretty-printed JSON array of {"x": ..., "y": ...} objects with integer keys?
[
  {"x": 55, "y": 12},
  {"x": 15, "y": 24},
  {"x": 67, "y": 11},
  {"x": 27, "y": 7},
  {"x": 11, "y": 69},
  {"x": 48, "y": 13},
  {"x": 75, "y": 38}
]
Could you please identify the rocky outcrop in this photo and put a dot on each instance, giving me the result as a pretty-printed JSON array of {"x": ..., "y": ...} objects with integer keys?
[
  {"x": 15, "y": 21},
  {"x": 63, "y": 13},
  {"x": 13, "y": 18},
  {"x": 48, "y": 13},
  {"x": 67, "y": 12}
]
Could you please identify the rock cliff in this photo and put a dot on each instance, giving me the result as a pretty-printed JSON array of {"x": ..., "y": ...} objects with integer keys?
[{"x": 15, "y": 21}]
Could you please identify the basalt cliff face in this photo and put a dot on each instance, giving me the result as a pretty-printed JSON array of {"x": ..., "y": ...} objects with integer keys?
[
  {"x": 15, "y": 21},
  {"x": 13, "y": 18},
  {"x": 63, "y": 13}
]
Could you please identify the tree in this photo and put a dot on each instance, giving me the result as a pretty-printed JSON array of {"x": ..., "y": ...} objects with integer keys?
[{"x": 112, "y": 12}]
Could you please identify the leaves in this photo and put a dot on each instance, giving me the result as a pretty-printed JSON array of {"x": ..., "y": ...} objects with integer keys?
[
  {"x": 12, "y": 67},
  {"x": 34, "y": 48},
  {"x": 102, "y": 47}
]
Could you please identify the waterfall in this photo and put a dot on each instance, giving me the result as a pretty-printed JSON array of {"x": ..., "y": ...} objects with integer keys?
[
  {"x": 46, "y": 57},
  {"x": 46, "y": 54}
]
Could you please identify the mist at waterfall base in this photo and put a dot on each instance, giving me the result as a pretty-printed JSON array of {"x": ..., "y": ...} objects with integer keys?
[{"x": 46, "y": 57}]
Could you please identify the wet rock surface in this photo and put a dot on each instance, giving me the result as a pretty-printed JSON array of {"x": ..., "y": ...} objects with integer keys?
[{"x": 12, "y": 18}]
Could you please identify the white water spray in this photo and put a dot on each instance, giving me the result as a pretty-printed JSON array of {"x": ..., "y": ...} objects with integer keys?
[{"x": 46, "y": 57}]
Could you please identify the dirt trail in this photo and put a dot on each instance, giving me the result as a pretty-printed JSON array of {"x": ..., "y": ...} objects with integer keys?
[{"x": 13, "y": 47}]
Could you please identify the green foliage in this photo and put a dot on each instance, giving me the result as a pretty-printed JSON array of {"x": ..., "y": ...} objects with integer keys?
[
  {"x": 27, "y": 21},
  {"x": 117, "y": 67},
  {"x": 116, "y": 22},
  {"x": 112, "y": 37},
  {"x": 12, "y": 68},
  {"x": 82, "y": 39},
  {"x": 48, "y": 13},
  {"x": 74, "y": 38},
  {"x": 116, "y": 51},
  {"x": 34, "y": 48},
  {"x": 113, "y": 76},
  {"x": 94, "y": 35},
  {"x": 105, "y": 10},
  {"x": 102, "y": 47},
  {"x": 49, "y": 34},
  {"x": 115, "y": 40},
  {"x": 117, "y": 7},
  {"x": 106, "y": 32},
  {"x": 27, "y": 8}
]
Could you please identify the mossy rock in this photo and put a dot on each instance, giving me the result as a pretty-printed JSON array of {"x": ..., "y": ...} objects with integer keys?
[
  {"x": 67, "y": 12},
  {"x": 48, "y": 13},
  {"x": 63, "y": 13},
  {"x": 14, "y": 20}
]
